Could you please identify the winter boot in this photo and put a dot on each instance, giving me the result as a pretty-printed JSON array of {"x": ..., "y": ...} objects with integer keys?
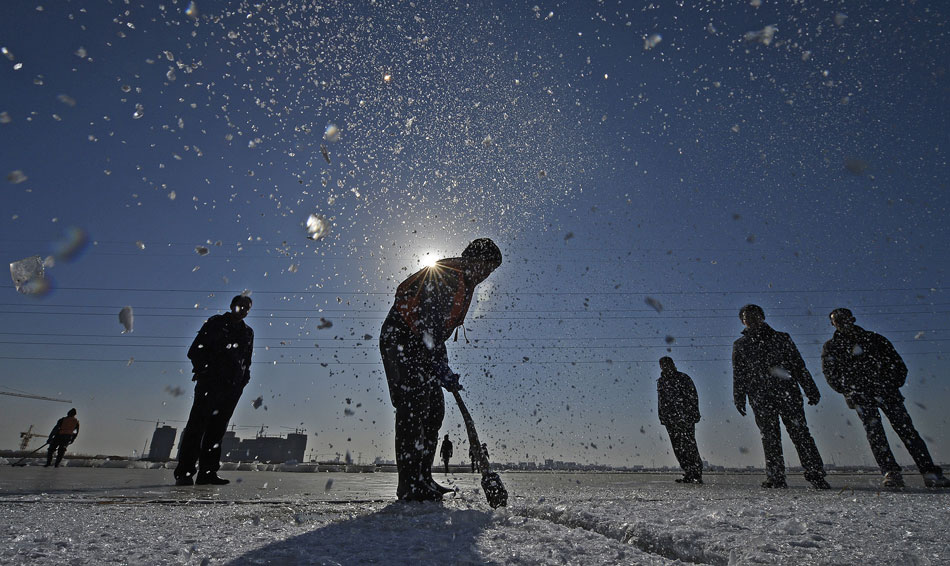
[
  {"x": 893, "y": 480},
  {"x": 936, "y": 479},
  {"x": 778, "y": 483},
  {"x": 211, "y": 479}
]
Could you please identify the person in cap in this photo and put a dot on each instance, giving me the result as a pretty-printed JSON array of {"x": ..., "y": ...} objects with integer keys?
[
  {"x": 221, "y": 362},
  {"x": 865, "y": 368},
  {"x": 769, "y": 371},
  {"x": 63, "y": 434},
  {"x": 429, "y": 306},
  {"x": 678, "y": 410}
]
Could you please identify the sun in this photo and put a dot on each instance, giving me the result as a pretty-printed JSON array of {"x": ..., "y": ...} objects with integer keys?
[{"x": 429, "y": 259}]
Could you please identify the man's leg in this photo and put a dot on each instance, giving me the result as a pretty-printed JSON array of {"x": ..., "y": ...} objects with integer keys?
[
  {"x": 767, "y": 421},
  {"x": 60, "y": 452},
  {"x": 189, "y": 447},
  {"x": 407, "y": 397},
  {"x": 900, "y": 420},
  {"x": 435, "y": 414},
  {"x": 223, "y": 402},
  {"x": 793, "y": 415},
  {"x": 49, "y": 453},
  {"x": 871, "y": 419}
]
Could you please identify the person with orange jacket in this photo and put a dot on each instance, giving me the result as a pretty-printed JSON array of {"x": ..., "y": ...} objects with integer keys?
[
  {"x": 429, "y": 306},
  {"x": 63, "y": 434}
]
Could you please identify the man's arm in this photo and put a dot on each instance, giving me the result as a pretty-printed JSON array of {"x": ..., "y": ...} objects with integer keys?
[
  {"x": 693, "y": 399},
  {"x": 201, "y": 351},
  {"x": 740, "y": 378},
  {"x": 800, "y": 371},
  {"x": 248, "y": 355},
  {"x": 832, "y": 366}
]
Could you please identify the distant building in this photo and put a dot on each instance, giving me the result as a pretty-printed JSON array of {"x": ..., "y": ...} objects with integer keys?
[
  {"x": 270, "y": 449},
  {"x": 163, "y": 440}
]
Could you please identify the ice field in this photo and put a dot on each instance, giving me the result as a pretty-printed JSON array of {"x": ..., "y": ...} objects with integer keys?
[{"x": 114, "y": 516}]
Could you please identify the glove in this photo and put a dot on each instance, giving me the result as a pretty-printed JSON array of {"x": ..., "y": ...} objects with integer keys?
[
  {"x": 450, "y": 382},
  {"x": 741, "y": 408}
]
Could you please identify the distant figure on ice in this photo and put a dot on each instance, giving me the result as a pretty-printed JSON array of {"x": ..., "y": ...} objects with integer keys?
[
  {"x": 221, "y": 361},
  {"x": 429, "y": 305},
  {"x": 768, "y": 369},
  {"x": 865, "y": 368},
  {"x": 63, "y": 434},
  {"x": 446, "y": 452},
  {"x": 678, "y": 409}
]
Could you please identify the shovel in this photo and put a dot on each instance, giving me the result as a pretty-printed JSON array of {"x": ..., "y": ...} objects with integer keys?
[
  {"x": 494, "y": 490},
  {"x": 23, "y": 459}
]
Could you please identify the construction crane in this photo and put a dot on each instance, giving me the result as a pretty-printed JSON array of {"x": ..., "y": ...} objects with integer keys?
[
  {"x": 40, "y": 397},
  {"x": 27, "y": 436}
]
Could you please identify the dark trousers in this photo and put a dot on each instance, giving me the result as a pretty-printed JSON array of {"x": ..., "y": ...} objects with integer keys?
[
  {"x": 793, "y": 415},
  {"x": 446, "y": 466},
  {"x": 201, "y": 440},
  {"x": 58, "y": 445},
  {"x": 904, "y": 427},
  {"x": 420, "y": 407},
  {"x": 683, "y": 437}
]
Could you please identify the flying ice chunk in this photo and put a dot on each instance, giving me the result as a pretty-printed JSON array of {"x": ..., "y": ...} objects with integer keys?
[
  {"x": 325, "y": 153},
  {"x": 652, "y": 41},
  {"x": 16, "y": 177},
  {"x": 29, "y": 275},
  {"x": 324, "y": 324},
  {"x": 256, "y": 403},
  {"x": 840, "y": 19},
  {"x": 192, "y": 11},
  {"x": 126, "y": 319},
  {"x": 140, "y": 244},
  {"x": 201, "y": 250},
  {"x": 5, "y": 118},
  {"x": 139, "y": 111},
  {"x": 317, "y": 226},
  {"x": 332, "y": 133},
  {"x": 763, "y": 36},
  {"x": 779, "y": 372},
  {"x": 655, "y": 304}
]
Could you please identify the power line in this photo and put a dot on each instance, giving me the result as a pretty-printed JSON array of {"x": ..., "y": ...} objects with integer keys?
[
  {"x": 491, "y": 363},
  {"x": 540, "y": 293}
]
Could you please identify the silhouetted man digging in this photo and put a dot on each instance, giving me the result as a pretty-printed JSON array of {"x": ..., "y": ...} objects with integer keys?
[
  {"x": 221, "y": 361},
  {"x": 768, "y": 369},
  {"x": 63, "y": 434},
  {"x": 429, "y": 306},
  {"x": 865, "y": 368},
  {"x": 678, "y": 409}
]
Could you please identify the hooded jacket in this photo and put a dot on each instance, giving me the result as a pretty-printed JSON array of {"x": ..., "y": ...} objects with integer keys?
[
  {"x": 768, "y": 369},
  {"x": 863, "y": 366}
]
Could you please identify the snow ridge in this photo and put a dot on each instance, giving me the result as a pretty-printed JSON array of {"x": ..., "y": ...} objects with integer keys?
[{"x": 670, "y": 545}]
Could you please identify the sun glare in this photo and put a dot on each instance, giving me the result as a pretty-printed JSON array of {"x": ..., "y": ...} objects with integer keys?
[{"x": 429, "y": 259}]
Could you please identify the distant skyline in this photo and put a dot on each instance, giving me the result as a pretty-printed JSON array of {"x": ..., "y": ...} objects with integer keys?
[{"x": 646, "y": 171}]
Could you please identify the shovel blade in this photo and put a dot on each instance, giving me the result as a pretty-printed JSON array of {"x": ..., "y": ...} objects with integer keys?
[{"x": 495, "y": 491}]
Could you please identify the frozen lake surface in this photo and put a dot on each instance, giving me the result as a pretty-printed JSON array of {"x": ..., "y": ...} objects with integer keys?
[{"x": 103, "y": 516}]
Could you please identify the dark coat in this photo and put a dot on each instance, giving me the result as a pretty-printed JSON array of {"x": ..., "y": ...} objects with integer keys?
[
  {"x": 678, "y": 403},
  {"x": 768, "y": 369},
  {"x": 864, "y": 367},
  {"x": 446, "y": 451},
  {"x": 221, "y": 352}
]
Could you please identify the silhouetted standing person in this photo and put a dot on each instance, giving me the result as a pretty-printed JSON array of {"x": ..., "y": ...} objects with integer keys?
[
  {"x": 221, "y": 361},
  {"x": 865, "y": 368},
  {"x": 446, "y": 452},
  {"x": 429, "y": 306},
  {"x": 63, "y": 434},
  {"x": 768, "y": 369},
  {"x": 678, "y": 409}
]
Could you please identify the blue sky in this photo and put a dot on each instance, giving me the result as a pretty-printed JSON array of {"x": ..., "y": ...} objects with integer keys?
[{"x": 803, "y": 171}]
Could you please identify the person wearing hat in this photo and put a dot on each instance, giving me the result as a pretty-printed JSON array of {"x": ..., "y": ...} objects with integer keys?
[
  {"x": 678, "y": 410},
  {"x": 769, "y": 370},
  {"x": 865, "y": 368},
  {"x": 63, "y": 434},
  {"x": 429, "y": 306},
  {"x": 221, "y": 361}
]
